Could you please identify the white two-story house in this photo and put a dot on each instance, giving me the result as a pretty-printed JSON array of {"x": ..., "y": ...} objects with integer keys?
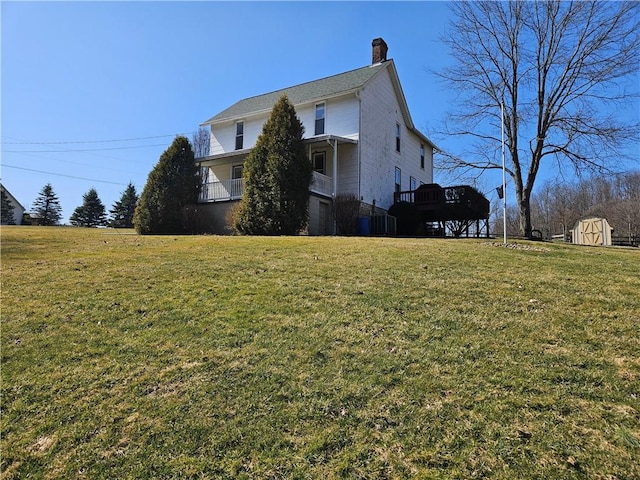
[{"x": 359, "y": 134}]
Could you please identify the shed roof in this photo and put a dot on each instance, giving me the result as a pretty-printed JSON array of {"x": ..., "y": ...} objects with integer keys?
[{"x": 587, "y": 218}]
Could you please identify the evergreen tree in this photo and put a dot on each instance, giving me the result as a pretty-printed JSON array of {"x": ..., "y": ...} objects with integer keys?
[
  {"x": 47, "y": 206},
  {"x": 91, "y": 213},
  {"x": 277, "y": 174},
  {"x": 7, "y": 209},
  {"x": 173, "y": 184},
  {"x": 123, "y": 210}
]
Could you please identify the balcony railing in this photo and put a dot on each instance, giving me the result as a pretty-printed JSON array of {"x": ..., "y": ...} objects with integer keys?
[
  {"x": 221, "y": 191},
  {"x": 226, "y": 190},
  {"x": 321, "y": 184}
]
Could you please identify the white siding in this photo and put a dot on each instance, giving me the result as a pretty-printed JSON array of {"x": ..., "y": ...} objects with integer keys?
[
  {"x": 223, "y": 135},
  {"x": 347, "y": 165},
  {"x": 348, "y": 169},
  {"x": 380, "y": 113},
  {"x": 341, "y": 118},
  {"x": 222, "y": 171}
]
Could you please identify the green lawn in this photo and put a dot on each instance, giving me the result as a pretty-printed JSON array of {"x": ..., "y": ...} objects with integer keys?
[{"x": 316, "y": 357}]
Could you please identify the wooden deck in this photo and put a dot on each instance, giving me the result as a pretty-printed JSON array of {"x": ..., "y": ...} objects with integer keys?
[{"x": 454, "y": 209}]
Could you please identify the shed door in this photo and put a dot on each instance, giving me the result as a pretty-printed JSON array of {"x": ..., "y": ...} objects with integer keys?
[{"x": 592, "y": 232}]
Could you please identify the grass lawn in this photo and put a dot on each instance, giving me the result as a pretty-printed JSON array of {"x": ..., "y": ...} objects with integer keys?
[{"x": 316, "y": 357}]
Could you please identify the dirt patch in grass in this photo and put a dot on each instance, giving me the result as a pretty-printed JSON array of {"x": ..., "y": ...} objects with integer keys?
[{"x": 43, "y": 444}]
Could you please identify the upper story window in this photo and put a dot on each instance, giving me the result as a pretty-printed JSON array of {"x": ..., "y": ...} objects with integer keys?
[
  {"x": 412, "y": 184},
  {"x": 239, "y": 135},
  {"x": 320, "y": 163},
  {"x": 398, "y": 137},
  {"x": 398, "y": 179},
  {"x": 422, "y": 156},
  {"x": 320, "y": 115}
]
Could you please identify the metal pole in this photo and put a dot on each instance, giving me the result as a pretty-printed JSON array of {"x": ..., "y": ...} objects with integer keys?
[
  {"x": 504, "y": 176},
  {"x": 335, "y": 180}
]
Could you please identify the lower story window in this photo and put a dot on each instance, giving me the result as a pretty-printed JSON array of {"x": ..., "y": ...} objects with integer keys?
[{"x": 236, "y": 171}]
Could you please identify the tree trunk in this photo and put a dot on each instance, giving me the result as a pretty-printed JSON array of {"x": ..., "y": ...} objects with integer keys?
[
  {"x": 543, "y": 70},
  {"x": 523, "y": 198}
]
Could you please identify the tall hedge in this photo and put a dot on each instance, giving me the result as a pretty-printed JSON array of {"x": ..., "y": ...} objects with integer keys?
[
  {"x": 277, "y": 174},
  {"x": 172, "y": 185}
]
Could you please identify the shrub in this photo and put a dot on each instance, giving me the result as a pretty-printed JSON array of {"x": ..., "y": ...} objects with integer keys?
[
  {"x": 408, "y": 218},
  {"x": 346, "y": 211}
]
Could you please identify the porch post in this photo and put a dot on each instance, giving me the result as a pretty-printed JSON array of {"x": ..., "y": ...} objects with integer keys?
[
  {"x": 335, "y": 168},
  {"x": 335, "y": 180}
]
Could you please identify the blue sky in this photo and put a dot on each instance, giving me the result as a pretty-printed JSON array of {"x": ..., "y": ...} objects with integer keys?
[{"x": 119, "y": 80}]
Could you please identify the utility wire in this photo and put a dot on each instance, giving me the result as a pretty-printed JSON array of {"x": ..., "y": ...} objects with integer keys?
[
  {"x": 84, "y": 150},
  {"x": 82, "y": 164},
  {"x": 91, "y": 141},
  {"x": 62, "y": 175}
]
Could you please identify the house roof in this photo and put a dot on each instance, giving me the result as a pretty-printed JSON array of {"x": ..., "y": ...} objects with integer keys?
[
  {"x": 328, "y": 87},
  {"x": 316, "y": 90},
  {"x": 14, "y": 201}
]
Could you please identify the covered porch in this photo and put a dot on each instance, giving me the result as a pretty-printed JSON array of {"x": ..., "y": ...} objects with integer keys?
[{"x": 333, "y": 158}]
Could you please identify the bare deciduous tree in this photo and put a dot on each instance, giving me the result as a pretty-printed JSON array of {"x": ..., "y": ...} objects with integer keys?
[
  {"x": 556, "y": 206},
  {"x": 559, "y": 69},
  {"x": 200, "y": 140}
]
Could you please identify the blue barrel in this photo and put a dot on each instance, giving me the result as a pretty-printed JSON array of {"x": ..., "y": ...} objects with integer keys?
[{"x": 364, "y": 226}]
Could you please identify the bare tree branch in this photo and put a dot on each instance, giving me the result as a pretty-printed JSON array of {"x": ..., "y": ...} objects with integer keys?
[
  {"x": 560, "y": 69},
  {"x": 201, "y": 142}
]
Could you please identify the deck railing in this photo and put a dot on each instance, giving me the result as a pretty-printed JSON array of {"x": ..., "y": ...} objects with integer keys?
[
  {"x": 383, "y": 225},
  {"x": 321, "y": 184},
  {"x": 225, "y": 190},
  {"x": 222, "y": 190},
  {"x": 406, "y": 196}
]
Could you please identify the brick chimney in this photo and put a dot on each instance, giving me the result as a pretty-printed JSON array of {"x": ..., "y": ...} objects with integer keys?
[{"x": 379, "y": 51}]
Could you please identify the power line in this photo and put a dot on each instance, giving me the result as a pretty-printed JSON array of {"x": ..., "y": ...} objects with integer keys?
[
  {"x": 82, "y": 164},
  {"x": 85, "y": 150},
  {"x": 91, "y": 141},
  {"x": 63, "y": 175}
]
